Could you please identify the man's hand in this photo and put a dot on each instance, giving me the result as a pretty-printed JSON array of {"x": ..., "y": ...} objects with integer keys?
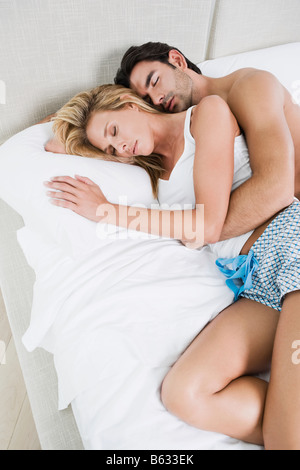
[
  {"x": 47, "y": 118},
  {"x": 192, "y": 245}
]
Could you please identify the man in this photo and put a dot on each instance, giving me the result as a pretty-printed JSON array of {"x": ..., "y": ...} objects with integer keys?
[
  {"x": 264, "y": 109},
  {"x": 271, "y": 122}
]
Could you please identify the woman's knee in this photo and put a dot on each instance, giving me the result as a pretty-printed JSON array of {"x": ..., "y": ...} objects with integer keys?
[
  {"x": 194, "y": 380},
  {"x": 181, "y": 394}
]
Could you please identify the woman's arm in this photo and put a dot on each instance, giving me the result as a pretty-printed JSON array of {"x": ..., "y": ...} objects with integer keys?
[
  {"x": 84, "y": 197},
  {"x": 53, "y": 145},
  {"x": 213, "y": 128}
]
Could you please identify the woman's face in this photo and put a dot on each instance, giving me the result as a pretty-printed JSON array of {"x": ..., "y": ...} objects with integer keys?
[{"x": 124, "y": 133}]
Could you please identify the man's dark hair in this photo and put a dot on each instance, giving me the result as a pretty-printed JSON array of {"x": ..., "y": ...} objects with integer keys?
[{"x": 150, "y": 52}]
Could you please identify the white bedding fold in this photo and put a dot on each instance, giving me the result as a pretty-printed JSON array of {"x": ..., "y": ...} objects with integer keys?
[
  {"x": 149, "y": 297},
  {"x": 116, "y": 320}
]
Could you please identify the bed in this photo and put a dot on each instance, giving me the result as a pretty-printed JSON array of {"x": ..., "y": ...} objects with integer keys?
[{"x": 93, "y": 352}]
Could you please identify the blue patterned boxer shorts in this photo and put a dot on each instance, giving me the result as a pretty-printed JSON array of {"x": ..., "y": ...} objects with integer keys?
[{"x": 277, "y": 251}]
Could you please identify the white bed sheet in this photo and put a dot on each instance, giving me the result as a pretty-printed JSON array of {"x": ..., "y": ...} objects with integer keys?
[
  {"x": 115, "y": 333},
  {"x": 143, "y": 425}
]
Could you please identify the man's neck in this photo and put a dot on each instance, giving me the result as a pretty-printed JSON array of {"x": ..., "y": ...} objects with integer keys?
[{"x": 205, "y": 86}]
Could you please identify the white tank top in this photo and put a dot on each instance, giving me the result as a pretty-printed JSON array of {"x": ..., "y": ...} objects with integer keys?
[{"x": 179, "y": 192}]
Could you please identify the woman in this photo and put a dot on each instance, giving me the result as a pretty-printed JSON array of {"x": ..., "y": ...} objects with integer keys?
[
  {"x": 211, "y": 386},
  {"x": 156, "y": 144}
]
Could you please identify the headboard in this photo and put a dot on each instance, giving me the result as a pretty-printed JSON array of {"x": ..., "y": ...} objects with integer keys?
[{"x": 52, "y": 49}]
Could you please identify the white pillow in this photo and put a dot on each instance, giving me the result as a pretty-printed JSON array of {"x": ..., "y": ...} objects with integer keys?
[
  {"x": 25, "y": 165},
  {"x": 282, "y": 61}
]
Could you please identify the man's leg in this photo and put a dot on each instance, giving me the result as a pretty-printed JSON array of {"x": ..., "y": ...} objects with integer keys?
[
  {"x": 282, "y": 413},
  {"x": 210, "y": 386}
]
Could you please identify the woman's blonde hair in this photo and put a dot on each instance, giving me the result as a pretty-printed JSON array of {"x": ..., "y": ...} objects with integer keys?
[{"x": 71, "y": 122}]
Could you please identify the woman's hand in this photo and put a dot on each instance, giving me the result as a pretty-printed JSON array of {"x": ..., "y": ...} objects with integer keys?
[
  {"x": 192, "y": 245},
  {"x": 79, "y": 194},
  {"x": 54, "y": 146}
]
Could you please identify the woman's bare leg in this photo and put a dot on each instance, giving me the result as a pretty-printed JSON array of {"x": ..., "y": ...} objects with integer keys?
[
  {"x": 209, "y": 386},
  {"x": 282, "y": 414}
]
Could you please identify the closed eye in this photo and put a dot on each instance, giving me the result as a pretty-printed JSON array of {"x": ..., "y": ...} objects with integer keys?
[{"x": 114, "y": 133}]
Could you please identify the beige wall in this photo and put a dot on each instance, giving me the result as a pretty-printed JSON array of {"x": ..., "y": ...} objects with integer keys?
[{"x": 52, "y": 49}]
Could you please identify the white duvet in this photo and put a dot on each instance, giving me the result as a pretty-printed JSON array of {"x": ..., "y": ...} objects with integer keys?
[{"x": 115, "y": 333}]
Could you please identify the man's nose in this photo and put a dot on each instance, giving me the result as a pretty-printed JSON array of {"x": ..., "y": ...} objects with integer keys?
[{"x": 158, "y": 99}]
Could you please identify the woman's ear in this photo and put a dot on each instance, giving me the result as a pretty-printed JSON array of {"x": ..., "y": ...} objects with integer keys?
[
  {"x": 129, "y": 105},
  {"x": 125, "y": 97},
  {"x": 177, "y": 59}
]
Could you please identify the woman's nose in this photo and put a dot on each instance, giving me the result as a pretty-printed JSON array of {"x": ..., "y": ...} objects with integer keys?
[{"x": 122, "y": 147}]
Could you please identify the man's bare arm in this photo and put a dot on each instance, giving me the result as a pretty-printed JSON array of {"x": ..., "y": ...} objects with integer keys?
[
  {"x": 257, "y": 102},
  {"x": 47, "y": 118}
]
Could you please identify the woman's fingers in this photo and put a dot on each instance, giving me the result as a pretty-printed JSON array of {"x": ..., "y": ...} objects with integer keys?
[
  {"x": 62, "y": 195},
  {"x": 66, "y": 187},
  {"x": 67, "y": 180},
  {"x": 79, "y": 182},
  {"x": 80, "y": 195},
  {"x": 66, "y": 193},
  {"x": 84, "y": 179},
  {"x": 65, "y": 204}
]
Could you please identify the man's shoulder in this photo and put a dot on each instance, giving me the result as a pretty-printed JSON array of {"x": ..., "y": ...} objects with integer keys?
[
  {"x": 250, "y": 80},
  {"x": 254, "y": 92},
  {"x": 241, "y": 73},
  {"x": 235, "y": 85}
]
